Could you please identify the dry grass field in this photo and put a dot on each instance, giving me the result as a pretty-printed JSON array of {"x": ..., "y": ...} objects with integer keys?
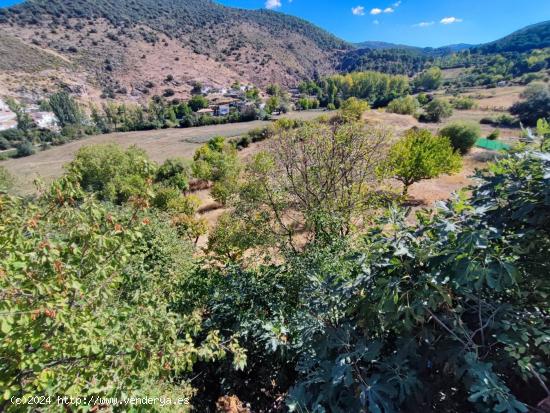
[{"x": 159, "y": 144}]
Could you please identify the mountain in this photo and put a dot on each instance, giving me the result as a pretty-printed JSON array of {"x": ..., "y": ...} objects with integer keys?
[
  {"x": 136, "y": 48},
  {"x": 536, "y": 36},
  {"x": 374, "y": 45}
]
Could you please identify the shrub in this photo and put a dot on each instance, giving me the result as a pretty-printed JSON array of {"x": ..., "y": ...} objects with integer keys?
[
  {"x": 113, "y": 173},
  {"x": 4, "y": 143},
  {"x": 353, "y": 109},
  {"x": 168, "y": 93},
  {"x": 424, "y": 99},
  {"x": 436, "y": 110},
  {"x": 197, "y": 102},
  {"x": 407, "y": 105},
  {"x": 536, "y": 104},
  {"x": 463, "y": 135},
  {"x": 174, "y": 173},
  {"x": 494, "y": 135},
  {"x": 463, "y": 103},
  {"x": 428, "y": 80},
  {"x": 24, "y": 149}
]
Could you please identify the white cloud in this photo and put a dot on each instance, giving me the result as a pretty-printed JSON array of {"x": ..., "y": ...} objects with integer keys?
[
  {"x": 424, "y": 24},
  {"x": 397, "y": 4},
  {"x": 358, "y": 11},
  {"x": 272, "y": 4},
  {"x": 375, "y": 11},
  {"x": 388, "y": 10},
  {"x": 375, "y": 22},
  {"x": 450, "y": 20}
]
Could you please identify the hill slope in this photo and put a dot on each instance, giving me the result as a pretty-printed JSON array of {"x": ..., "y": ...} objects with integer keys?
[
  {"x": 132, "y": 46},
  {"x": 536, "y": 36}
]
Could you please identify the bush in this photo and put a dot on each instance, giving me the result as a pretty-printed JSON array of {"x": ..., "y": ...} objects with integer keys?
[
  {"x": 24, "y": 149},
  {"x": 174, "y": 173},
  {"x": 463, "y": 103},
  {"x": 436, "y": 110},
  {"x": 536, "y": 104},
  {"x": 428, "y": 80},
  {"x": 463, "y": 135},
  {"x": 197, "y": 102},
  {"x": 424, "y": 99},
  {"x": 4, "y": 143},
  {"x": 168, "y": 93},
  {"x": 353, "y": 109},
  {"x": 407, "y": 105},
  {"x": 113, "y": 173},
  {"x": 494, "y": 135}
]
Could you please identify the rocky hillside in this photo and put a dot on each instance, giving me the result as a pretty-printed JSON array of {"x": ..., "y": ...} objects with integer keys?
[{"x": 135, "y": 48}]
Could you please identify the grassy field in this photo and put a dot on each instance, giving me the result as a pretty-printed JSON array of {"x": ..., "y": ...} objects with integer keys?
[{"x": 159, "y": 144}]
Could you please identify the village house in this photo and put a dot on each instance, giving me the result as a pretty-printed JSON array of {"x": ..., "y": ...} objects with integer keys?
[
  {"x": 45, "y": 120},
  {"x": 206, "y": 111}
]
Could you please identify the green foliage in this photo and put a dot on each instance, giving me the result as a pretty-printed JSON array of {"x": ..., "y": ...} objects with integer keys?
[
  {"x": 174, "y": 173},
  {"x": 197, "y": 102},
  {"x": 6, "y": 180},
  {"x": 462, "y": 135},
  {"x": 24, "y": 149},
  {"x": 494, "y": 135},
  {"x": 421, "y": 155},
  {"x": 307, "y": 103},
  {"x": 217, "y": 162},
  {"x": 535, "y": 104},
  {"x": 536, "y": 36},
  {"x": 407, "y": 105},
  {"x": 233, "y": 236},
  {"x": 112, "y": 173},
  {"x": 66, "y": 109},
  {"x": 453, "y": 307},
  {"x": 320, "y": 174},
  {"x": 87, "y": 302},
  {"x": 430, "y": 79},
  {"x": 378, "y": 89},
  {"x": 463, "y": 103},
  {"x": 436, "y": 110},
  {"x": 352, "y": 109}
]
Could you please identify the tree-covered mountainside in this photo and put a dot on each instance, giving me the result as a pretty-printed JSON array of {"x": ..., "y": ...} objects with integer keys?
[
  {"x": 125, "y": 45},
  {"x": 536, "y": 36},
  {"x": 516, "y": 54},
  {"x": 173, "y": 17}
]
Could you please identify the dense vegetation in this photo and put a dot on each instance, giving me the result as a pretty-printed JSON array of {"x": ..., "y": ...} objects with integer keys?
[
  {"x": 73, "y": 121},
  {"x": 314, "y": 293},
  {"x": 378, "y": 89},
  {"x": 536, "y": 36}
]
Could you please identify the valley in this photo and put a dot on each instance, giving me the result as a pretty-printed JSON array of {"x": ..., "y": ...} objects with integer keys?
[{"x": 206, "y": 208}]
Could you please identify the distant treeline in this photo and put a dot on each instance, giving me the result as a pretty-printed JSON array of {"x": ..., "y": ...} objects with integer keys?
[
  {"x": 377, "y": 88},
  {"x": 74, "y": 121},
  {"x": 480, "y": 68}
]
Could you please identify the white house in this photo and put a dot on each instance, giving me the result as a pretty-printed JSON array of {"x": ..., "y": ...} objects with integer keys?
[{"x": 44, "y": 120}]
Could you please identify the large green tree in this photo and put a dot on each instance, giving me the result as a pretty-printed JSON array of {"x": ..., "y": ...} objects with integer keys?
[{"x": 421, "y": 155}]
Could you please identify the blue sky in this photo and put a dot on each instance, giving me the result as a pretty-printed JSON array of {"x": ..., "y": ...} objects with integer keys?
[{"x": 413, "y": 22}]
